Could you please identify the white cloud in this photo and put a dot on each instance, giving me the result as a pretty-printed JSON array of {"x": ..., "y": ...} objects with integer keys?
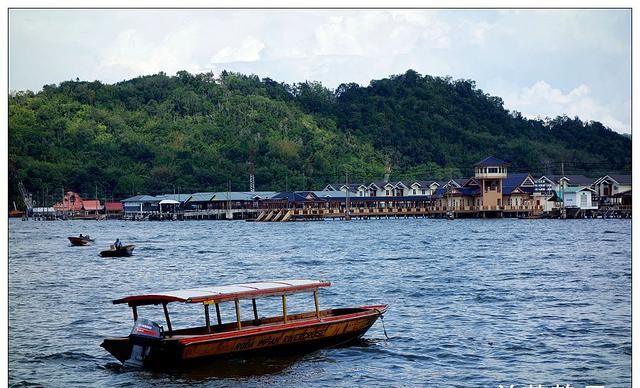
[
  {"x": 248, "y": 51},
  {"x": 543, "y": 100},
  {"x": 380, "y": 33},
  {"x": 133, "y": 53}
]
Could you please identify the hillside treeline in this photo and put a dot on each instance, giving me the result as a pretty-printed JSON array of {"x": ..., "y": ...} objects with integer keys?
[{"x": 186, "y": 133}]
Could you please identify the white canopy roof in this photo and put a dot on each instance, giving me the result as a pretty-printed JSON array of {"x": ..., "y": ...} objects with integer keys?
[
  {"x": 226, "y": 293},
  {"x": 169, "y": 202}
]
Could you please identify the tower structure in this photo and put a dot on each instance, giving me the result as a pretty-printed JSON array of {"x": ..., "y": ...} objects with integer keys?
[{"x": 490, "y": 173}]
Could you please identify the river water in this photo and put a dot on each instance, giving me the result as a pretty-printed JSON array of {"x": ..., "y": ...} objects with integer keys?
[{"x": 473, "y": 303}]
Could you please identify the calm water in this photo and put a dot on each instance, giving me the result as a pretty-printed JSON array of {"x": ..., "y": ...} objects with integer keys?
[{"x": 473, "y": 303}]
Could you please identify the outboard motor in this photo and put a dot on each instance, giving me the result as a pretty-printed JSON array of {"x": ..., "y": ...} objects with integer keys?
[{"x": 144, "y": 335}]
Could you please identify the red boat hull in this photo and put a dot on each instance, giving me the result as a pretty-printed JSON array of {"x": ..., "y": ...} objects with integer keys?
[
  {"x": 335, "y": 327},
  {"x": 78, "y": 241}
]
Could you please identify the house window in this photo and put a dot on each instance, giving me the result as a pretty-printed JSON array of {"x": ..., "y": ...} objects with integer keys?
[
  {"x": 386, "y": 192},
  {"x": 414, "y": 191}
]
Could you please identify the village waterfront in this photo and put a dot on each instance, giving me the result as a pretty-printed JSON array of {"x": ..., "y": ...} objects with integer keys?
[{"x": 472, "y": 302}]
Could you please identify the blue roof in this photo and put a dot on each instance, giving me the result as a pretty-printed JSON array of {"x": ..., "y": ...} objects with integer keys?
[
  {"x": 241, "y": 195},
  {"x": 330, "y": 194},
  {"x": 201, "y": 197},
  {"x": 294, "y": 196},
  {"x": 141, "y": 198},
  {"x": 491, "y": 162},
  {"x": 512, "y": 182},
  {"x": 468, "y": 191}
]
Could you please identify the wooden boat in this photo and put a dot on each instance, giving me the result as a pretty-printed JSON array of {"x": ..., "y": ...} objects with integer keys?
[
  {"x": 123, "y": 251},
  {"x": 80, "y": 241},
  {"x": 149, "y": 345}
]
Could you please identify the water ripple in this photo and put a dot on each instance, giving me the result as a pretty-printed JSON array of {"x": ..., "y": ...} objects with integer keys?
[{"x": 472, "y": 302}]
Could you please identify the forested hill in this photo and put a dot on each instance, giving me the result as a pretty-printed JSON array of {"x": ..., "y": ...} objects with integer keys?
[{"x": 187, "y": 133}]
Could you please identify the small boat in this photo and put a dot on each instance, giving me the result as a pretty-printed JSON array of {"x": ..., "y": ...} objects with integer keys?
[
  {"x": 151, "y": 345},
  {"x": 80, "y": 241},
  {"x": 123, "y": 251}
]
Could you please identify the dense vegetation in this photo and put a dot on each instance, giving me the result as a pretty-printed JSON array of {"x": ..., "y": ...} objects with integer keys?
[{"x": 186, "y": 133}]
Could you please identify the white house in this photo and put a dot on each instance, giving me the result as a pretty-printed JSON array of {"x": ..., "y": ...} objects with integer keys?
[
  {"x": 375, "y": 189},
  {"x": 423, "y": 188},
  {"x": 610, "y": 185},
  {"x": 579, "y": 197}
]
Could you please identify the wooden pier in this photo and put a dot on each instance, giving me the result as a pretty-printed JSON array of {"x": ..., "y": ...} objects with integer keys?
[{"x": 310, "y": 214}]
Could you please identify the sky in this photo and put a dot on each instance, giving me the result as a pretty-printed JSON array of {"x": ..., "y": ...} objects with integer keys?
[{"x": 542, "y": 63}]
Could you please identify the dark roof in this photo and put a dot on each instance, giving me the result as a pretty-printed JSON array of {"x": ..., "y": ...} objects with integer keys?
[
  {"x": 467, "y": 191},
  {"x": 578, "y": 180},
  {"x": 528, "y": 189},
  {"x": 491, "y": 161},
  {"x": 332, "y": 186},
  {"x": 380, "y": 184},
  {"x": 142, "y": 198},
  {"x": 422, "y": 183},
  {"x": 353, "y": 187},
  {"x": 512, "y": 182},
  {"x": 621, "y": 179},
  {"x": 295, "y": 196}
]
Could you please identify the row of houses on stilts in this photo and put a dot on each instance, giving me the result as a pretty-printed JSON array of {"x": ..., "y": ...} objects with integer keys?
[{"x": 492, "y": 192}]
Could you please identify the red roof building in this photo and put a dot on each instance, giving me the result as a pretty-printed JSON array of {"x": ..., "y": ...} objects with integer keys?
[
  {"x": 72, "y": 202},
  {"x": 113, "y": 207},
  {"x": 91, "y": 205}
]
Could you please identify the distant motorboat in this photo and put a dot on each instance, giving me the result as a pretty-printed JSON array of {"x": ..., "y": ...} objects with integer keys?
[
  {"x": 80, "y": 241},
  {"x": 123, "y": 251}
]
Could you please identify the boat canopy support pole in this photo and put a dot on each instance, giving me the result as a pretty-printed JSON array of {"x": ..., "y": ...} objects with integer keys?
[
  {"x": 218, "y": 314},
  {"x": 255, "y": 309},
  {"x": 284, "y": 308},
  {"x": 135, "y": 312},
  {"x": 315, "y": 299},
  {"x": 238, "y": 314},
  {"x": 166, "y": 316},
  {"x": 206, "y": 317}
]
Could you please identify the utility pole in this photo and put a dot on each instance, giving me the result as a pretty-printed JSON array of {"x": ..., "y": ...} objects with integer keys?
[
  {"x": 563, "y": 211},
  {"x": 347, "y": 213},
  {"x": 252, "y": 170}
]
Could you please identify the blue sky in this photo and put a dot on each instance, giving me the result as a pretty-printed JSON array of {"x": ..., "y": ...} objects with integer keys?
[{"x": 541, "y": 62}]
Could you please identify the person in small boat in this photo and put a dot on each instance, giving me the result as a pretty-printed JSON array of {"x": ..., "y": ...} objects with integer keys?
[
  {"x": 80, "y": 235},
  {"x": 117, "y": 244}
]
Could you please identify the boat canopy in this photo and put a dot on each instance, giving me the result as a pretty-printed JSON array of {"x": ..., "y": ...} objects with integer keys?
[{"x": 226, "y": 293}]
